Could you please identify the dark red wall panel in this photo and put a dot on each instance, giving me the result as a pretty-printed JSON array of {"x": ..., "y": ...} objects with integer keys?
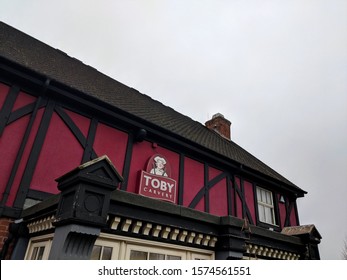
[
  {"x": 81, "y": 122},
  {"x": 193, "y": 181},
  {"x": 111, "y": 142},
  {"x": 213, "y": 172},
  {"x": 293, "y": 219},
  {"x": 238, "y": 200},
  {"x": 24, "y": 158},
  {"x": 249, "y": 196},
  {"x": 218, "y": 199},
  {"x": 61, "y": 152},
  {"x": 282, "y": 211},
  {"x": 200, "y": 206},
  {"x": 4, "y": 89},
  {"x": 22, "y": 100},
  {"x": 10, "y": 142}
]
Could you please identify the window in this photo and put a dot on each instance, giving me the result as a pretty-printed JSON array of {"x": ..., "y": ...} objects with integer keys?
[
  {"x": 141, "y": 255},
  {"x": 39, "y": 248},
  {"x": 37, "y": 253},
  {"x": 142, "y": 252},
  {"x": 265, "y": 206},
  {"x": 101, "y": 253},
  {"x": 115, "y": 247},
  {"x": 105, "y": 249}
]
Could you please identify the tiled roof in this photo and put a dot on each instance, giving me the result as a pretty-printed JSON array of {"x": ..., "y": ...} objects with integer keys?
[
  {"x": 26, "y": 51},
  {"x": 299, "y": 230}
]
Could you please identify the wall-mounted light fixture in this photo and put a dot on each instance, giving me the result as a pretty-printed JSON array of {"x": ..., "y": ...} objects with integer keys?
[{"x": 140, "y": 135}]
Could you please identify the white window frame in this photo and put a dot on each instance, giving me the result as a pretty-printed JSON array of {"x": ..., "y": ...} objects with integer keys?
[
  {"x": 37, "y": 242},
  {"x": 266, "y": 207},
  {"x": 123, "y": 245},
  {"x": 109, "y": 243},
  {"x": 157, "y": 250}
]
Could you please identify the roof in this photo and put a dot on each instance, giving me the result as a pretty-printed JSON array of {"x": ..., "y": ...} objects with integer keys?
[
  {"x": 300, "y": 230},
  {"x": 34, "y": 55}
]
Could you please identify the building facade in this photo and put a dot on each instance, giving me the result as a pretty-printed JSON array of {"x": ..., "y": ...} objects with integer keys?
[{"x": 93, "y": 169}]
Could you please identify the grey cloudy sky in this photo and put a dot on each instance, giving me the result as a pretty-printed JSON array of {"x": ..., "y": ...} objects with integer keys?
[{"x": 276, "y": 69}]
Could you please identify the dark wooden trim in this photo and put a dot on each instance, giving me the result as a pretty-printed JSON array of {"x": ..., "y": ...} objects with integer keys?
[
  {"x": 239, "y": 193},
  {"x": 296, "y": 212},
  {"x": 256, "y": 205},
  {"x": 20, "y": 152},
  {"x": 34, "y": 155},
  {"x": 38, "y": 195},
  {"x": 71, "y": 125},
  {"x": 243, "y": 199},
  {"x": 74, "y": 129},
  {"x": 289, "y": 209},
  {"x": 181, "y": 180},
  {"x": 248, "y": 212},
  {"x": 234, "y": 194},
  {"x": 200, "y": 194},
  {"x": 12, "y": 73},
  {"x": 229, "y": 196},
  {"x": 159, "y": 217},
  {"x": 26, "y": 110},
  {"x": 127, "y": 162},
  {"x": 10, "y": 212},
  {"x": 206, "y": 191},
  {"x": 8, "y": 106},
  {"x": 276, "y": 209},
  {"x": 89, "y": 154},
  {"x": 216, "y": 180}
]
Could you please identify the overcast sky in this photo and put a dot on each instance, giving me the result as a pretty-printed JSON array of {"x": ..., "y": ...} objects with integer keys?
[{"x": 276, "y": 69}]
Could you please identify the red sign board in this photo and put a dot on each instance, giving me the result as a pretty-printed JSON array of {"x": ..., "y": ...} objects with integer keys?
[{"x": 155, "y": 182}]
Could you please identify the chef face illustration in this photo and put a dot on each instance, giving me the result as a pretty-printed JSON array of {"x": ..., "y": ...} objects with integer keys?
[{"x": 159, "y": 166}]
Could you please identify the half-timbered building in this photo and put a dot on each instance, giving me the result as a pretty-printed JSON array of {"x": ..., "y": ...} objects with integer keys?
[{"x": 94, "y": 169}]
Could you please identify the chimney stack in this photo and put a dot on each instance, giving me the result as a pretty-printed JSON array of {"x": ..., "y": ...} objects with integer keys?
[{"x": 220, "y": 124}]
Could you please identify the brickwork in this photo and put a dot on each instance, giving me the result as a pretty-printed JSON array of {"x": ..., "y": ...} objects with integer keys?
[
  {"x": 4, "y": 234},
  {"x": 219, "y": 124},
  {"x": 4, "y": 225}
]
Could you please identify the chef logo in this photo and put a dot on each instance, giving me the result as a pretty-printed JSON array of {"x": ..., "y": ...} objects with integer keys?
[{"x": 155, "y": 182}]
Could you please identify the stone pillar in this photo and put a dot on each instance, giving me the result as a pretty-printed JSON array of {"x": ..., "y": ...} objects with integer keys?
[
  {"x": 231, "y": 243},
  {"x": 310, "y": 237},
  {"x": 82, "y": 209}
]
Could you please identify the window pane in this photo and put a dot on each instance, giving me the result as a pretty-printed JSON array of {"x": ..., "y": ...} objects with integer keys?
[
  {"x": 96, "y": 253},
  {"x": 258, "y": 194},
  {"x": 261, "y": 212},
  {"x": 40, "y": 253},
  {"x": 264, "y": 193},
  {"x": 173, "y": 258},
  {"x": 33, "y": 255},
  {"x": 268, "y": 215},
  {"x": 107, "y": 253},
  {"x": 155, "y": 256},
  {"x": 138, "y": 255},
  {"x": 269, "y": 198}
]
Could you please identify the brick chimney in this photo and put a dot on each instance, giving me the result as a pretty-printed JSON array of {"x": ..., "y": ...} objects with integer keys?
[{"x": 220, "y": 124}]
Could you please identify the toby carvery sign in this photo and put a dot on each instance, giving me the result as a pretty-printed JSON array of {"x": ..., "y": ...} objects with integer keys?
[{"x": 155, "y": 182}]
